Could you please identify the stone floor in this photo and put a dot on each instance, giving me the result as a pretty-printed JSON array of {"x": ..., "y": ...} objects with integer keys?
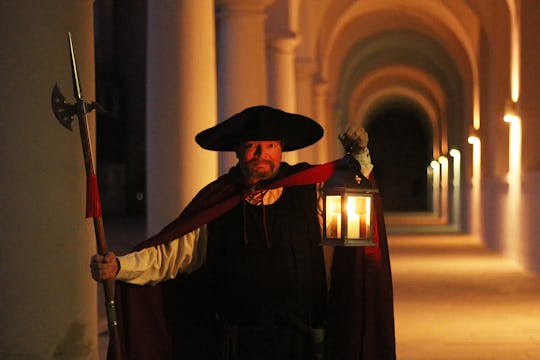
[{"x": 454, "y": 299}]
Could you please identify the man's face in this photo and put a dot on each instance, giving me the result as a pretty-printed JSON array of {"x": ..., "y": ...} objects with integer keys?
[{"x": 259, "y": 160}]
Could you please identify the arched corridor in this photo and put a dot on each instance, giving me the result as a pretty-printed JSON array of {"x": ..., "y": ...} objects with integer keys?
[{"x": 462, "y": 74}]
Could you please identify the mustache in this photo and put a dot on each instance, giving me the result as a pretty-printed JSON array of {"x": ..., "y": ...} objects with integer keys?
[{"x": 258, "y": 161}]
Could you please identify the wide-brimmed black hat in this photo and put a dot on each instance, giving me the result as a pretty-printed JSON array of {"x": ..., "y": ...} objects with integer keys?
[{"x": 259, "y": 123}]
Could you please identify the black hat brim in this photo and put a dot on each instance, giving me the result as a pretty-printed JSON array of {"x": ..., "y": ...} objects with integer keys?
[{"x": 260, "y": 123}]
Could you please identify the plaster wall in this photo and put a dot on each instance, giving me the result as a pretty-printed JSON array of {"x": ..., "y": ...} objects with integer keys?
[
  {"x": 529, "y": 107},
  {"x": 48, "y": 307},
  {"x": 529, "y": 110}
]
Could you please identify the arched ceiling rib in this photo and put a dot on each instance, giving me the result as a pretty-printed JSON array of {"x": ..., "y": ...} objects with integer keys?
[
  {"x": 404, "y": 48},
  {"x": 452, "y": 29},
  {"x": 404, "y": 51},
  {"x": 404, "y": 76},
  {"x": 398, "y": 81},
  {"x": 372, "y": 16},
  {"x": 397, "y": 93}
]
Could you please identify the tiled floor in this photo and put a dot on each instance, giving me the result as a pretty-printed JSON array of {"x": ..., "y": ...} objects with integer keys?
[{"x": 454, "y": 299}]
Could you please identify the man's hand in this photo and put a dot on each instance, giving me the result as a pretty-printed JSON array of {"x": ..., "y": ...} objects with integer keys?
[
  {"x": 354, "y": 139},
  {"x": 104, "y": 267}
]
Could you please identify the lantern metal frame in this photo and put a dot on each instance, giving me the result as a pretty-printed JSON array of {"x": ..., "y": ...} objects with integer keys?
[{"x": 348, "y": 181}]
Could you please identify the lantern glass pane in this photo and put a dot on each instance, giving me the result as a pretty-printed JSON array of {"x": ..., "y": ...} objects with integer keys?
[
  {"x": 333, "y": 216},
  {"x": 358, "y": 216}
]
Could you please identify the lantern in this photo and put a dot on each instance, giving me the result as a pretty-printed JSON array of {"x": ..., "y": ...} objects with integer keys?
[{"x": 348, "y": 206}]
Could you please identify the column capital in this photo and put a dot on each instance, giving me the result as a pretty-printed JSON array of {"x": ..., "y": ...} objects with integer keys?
[{"x": 284, "y": 43}]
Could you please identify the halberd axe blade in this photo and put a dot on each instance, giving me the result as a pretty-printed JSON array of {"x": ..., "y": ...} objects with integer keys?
[{"x": 64, "y": 112}]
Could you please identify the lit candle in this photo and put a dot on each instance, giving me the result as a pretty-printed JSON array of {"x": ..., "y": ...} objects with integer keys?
[
  {"x": 333, "y": 226},
  {"x": 333, "y": 216},
  {"x": 368, "y": 217},
  {"x": 353, "y": 226}
]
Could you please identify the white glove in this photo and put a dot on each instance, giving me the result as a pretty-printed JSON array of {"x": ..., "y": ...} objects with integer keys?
[{"x": 355, "y": 139}]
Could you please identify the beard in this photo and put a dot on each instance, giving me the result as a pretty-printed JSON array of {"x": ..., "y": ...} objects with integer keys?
[{"x": 259, "y": 169}]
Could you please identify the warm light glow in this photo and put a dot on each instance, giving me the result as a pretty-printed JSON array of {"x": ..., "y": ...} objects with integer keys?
[
  {"x": 475, "y": 192},
  {"x": 436, "y": 187},
  {"x": 358, "y": 216},
  {"x": 475, "y": 142},
  {"x": 514, "y": 147},
  {"x": 456, "y": 155},
  {"x": 333, "y": 216},
  {"x": 358, "y": 224},
  {"x": 515, "y": 49},
  {"x": 436, "y": 173},
  {"x": 509, "y": 118},
  {"x": 513, "y": 204},
  {"x": 443, "y": 160},
  {"x": 476, "y": 107},
  {"x": 456, "y": 199}
]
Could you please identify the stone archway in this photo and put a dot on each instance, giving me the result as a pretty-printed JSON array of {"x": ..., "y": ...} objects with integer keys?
[{"x": 401, "y": 146}]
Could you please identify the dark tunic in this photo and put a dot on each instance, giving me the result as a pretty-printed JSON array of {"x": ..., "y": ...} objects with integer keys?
[{"x": 269, "y": 285}]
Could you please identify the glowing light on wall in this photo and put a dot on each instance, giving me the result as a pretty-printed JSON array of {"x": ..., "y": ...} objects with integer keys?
[
  {"x": 456, "y": 156},
  {"x": 475, "y": 142},
  {"x": 456, "y": 183},
  {"x": 511, "y": 114},
  {"x": 475, "y": 193},
  {"x": 514, "y": 145},
  {"x": 443, "y": 160},
  {"x": 436, "y": 174},
  {"x": 515, "y": 49},
  {"x": 513, "y": 205}
]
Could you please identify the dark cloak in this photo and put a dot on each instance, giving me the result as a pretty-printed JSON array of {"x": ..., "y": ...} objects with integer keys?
[{"x": 361, "y": 322}]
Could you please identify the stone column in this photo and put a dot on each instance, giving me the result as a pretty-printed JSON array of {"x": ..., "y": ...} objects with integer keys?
[
  {"x": 282, "y": 72},
  {"x": 182, "y": 101},
  {"x": 321, "y": 113},
  {"x": 241, "y": 56},
  {"x": 530, "y": 115},
  {"x": 48, "y": 306},
  {"x": 305, "y": 70},
  {"x": 282, "y": 78}
]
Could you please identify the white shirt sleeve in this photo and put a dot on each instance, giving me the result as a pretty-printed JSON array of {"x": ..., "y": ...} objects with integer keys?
[{"x": 164, "y": 262}]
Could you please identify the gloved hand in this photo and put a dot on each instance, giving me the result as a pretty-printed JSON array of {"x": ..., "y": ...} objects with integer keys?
[{"x": 354, "y": 139}]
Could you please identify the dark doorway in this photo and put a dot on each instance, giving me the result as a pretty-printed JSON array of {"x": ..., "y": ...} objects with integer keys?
[
  {"x": 401, "y": 142},
  {"x": 120, "y": 57}
]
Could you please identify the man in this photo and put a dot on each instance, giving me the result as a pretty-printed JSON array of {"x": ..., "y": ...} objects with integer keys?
[{"x": 250, "y": 281}]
